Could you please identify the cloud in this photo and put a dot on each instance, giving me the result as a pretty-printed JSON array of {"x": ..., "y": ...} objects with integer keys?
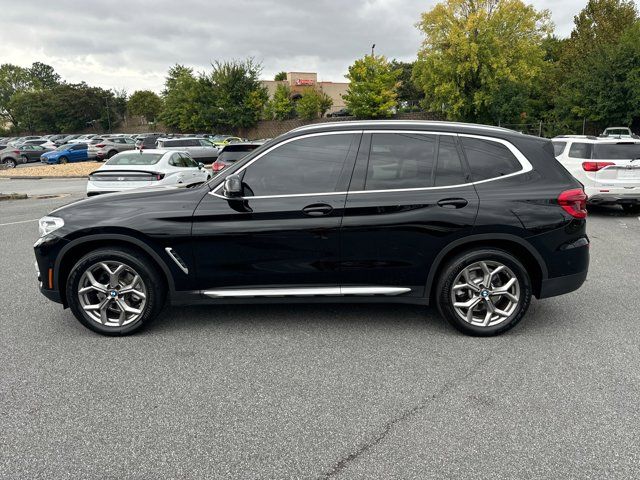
[{"x": 131, "y": 44}]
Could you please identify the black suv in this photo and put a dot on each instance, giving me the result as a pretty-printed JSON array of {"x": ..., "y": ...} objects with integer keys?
[{"x": 470, "y": 218}]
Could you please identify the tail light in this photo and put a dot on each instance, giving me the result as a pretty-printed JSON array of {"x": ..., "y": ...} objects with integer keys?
[
  {"x": 100, "y": 145},
  {"x": 574, "y": 202},
  {"x": 595, "y": 166},
  {"x": 17, "y": 152},
  {"x": 159, "y": 176},
  {"x": 217, "y": 166}
]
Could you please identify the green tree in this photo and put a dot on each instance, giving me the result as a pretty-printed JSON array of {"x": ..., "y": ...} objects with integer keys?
[
  {"x": 313, "y": 104},
  {"x": 43, "y": 76},
  {"x": 372, "y": 92},
  {"x": 280, "y": 107},
  {"x": 239, "y": 97},
  {"x": 408, "y": 92},
  {"x": 599, "y": 62},
  {"x": 13, "y": 79},
  {"x": 476, "y": 50},
  {"x": 280, "y": 76},
  {"x": 181, "y": 90},
  {"x": 145, "y": 103}
]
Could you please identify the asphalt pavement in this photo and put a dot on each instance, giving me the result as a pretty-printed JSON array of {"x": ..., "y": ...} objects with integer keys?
[{"x": 321, "y": 391}]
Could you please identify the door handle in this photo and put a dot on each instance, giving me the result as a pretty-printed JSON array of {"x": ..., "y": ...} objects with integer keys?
[
  {"x": 453, "y": 203},
  {"x": 317, "y": 210}
]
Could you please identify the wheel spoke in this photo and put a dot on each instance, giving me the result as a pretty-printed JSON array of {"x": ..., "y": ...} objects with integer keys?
[
  {"x": 506, "y": 287},
  {"x": 490, "y": 306},
  {"x": 469, "y": 303},
  {"x": 508, "y": 295},
  {"x": 126, "y": 308},
  {"x": 95, "y": 285},
  {"x": 114, "y": 278},
  {"x": 486, "y": 278},
  {"x": 496, "y": 270},
  {"x": 502, "y": 313},
  {"x": 487, "y": 319}
]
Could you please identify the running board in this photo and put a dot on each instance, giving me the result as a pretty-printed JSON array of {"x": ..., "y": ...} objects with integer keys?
[{"x": 305, "y": 292}]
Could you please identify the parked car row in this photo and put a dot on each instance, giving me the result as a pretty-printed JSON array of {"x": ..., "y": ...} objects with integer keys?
[{"x": 53, "y": 149}]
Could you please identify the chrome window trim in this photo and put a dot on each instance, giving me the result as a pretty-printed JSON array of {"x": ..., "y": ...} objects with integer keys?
[{"x": 524, "y": 163}]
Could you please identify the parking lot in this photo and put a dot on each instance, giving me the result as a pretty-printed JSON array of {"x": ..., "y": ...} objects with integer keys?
[{"x": 320, "y": 391}]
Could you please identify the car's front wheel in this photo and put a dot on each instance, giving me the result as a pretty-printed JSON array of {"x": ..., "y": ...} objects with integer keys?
[
  {"x": 115, "y": 291},
  {"x": 484, "y": 292},
  {"x": 63, "y": 160},
  {"x": 24, "y": 159},
  {"x": 631, "y": 208}
]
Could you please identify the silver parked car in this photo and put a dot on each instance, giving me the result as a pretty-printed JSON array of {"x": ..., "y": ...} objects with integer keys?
[
  {"x": 200, "y": 149},
  {"x": 10, "y": 156},
  {"x": 108, "y": 147}
]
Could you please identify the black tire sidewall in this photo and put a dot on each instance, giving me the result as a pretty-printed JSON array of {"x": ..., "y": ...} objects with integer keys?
[
  {"x": 456, "y": 265},
  {"x": 147, "y": 271},
  {"x": 63, "y": 160}
]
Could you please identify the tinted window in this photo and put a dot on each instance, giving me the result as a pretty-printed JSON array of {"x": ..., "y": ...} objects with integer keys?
[
  {"x": 488, "y": 159},
  {"x": 189, "y": 162},
  {"x": 449, "y": 169},
  {"x": 558, "y": 148},
  {"x": 616, "y": 151},
  {"x": 400, "y": 160},
  {"x": 233, "y": 153},
  {"x": 308, "y": 165},
  {"x": 580, "y": 150}
]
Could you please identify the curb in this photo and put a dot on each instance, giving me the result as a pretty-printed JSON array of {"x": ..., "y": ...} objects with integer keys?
[
  {"x": 26, "y": 177},
  {"x": 13, "y": 196}
]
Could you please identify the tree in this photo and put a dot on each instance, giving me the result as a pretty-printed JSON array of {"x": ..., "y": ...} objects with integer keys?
[
  {"x": 599, "y": 62},
  {"x": 313, "y": 104},
  {"x": 13, "y": 79},
  {"x": 408, "y": 92},
  {"x": 280, "y": 76},
  {"x": 280, "y": 107},
  {"x": 145, "y": 103},
  {"x": 181, "y": 89},
  {"x": 43, "y": 76},
  {"x": 474, "y": 51},
  {"x": 372, "y": 92},
  {"x": 239, "y": 97}
]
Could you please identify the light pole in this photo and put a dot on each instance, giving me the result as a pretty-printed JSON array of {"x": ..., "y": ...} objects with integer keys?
[{"x": 373, "y": 47}]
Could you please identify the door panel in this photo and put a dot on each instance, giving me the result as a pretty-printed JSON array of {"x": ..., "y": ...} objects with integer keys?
[
  {"x": 391, "y": 236},
  {"x": 285, "y": 230}
]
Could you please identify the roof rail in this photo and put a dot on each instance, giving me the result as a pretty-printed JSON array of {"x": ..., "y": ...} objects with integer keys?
[{"x": 403, "y": 122}]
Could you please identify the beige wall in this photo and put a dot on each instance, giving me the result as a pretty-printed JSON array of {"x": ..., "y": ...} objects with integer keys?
[{"x": 301, "y": 81}]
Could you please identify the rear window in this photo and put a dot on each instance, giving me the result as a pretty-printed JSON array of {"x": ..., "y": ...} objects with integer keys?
[
  {"x": 135, "y": 158},
  {"x": 233, "y": 153},
  {"x": 580, "y": 150},
  {"x": 558, "y": 148},
  {"x": 616, "y": 151},
  {"x": 488, "y": 159}
]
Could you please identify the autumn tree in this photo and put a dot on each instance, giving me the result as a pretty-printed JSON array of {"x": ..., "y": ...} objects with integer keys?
[
  {"x": 372, "y": 91},
  {"x": 475, "y": 51}
]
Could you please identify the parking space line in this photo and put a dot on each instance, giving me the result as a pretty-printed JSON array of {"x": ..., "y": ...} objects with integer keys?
[{"x": 15, "y": 223}]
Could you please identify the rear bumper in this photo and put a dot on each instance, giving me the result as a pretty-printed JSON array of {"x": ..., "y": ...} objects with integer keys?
[
  {"x": 608, "y": 195},
  {"x": 553, "y": 287}
]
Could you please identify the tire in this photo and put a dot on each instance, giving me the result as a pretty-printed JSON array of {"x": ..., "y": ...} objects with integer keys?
[
  {"x": 111, "y": 154},
  {"x": 63, "y": 160},
  {"x": 512, "y": 303},
  {"x": 10, "y": 162},
  {"x": 24, "y": 159},
  {"x": 146, "y": 295},
  {"x": 633, "y": 209}
]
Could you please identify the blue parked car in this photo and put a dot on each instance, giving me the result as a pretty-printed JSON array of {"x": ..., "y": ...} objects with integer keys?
[{"x": 75, "y": 152}]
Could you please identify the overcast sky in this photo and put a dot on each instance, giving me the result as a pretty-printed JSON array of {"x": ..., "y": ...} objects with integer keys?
[{"x": 131, "y": 44}]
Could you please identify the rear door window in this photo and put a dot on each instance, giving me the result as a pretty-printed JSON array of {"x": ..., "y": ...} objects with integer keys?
[
  {"x": 580, "y": 150},
  {"x": 489, "y": 159},
  {"x": 400, "y": 160},
  {"x": 449, "y": 168}
]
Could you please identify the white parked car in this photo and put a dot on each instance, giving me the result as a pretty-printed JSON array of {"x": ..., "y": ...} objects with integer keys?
[
  {"x": 146, "y": 168},
  {"x": 608, "y": 168}
]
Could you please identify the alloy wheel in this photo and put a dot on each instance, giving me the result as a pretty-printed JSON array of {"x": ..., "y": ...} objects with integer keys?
[
  {"x": 485, "y": 293},
  {"x": 112, "y": 294}
]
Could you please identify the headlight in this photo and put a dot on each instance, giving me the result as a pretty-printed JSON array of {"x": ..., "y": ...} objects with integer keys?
[{"x": 46, "y": 225}]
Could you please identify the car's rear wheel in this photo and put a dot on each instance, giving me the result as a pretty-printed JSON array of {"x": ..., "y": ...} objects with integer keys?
[
  {"x": 631, "y": 208},
  {"x": 484, "y": 292},
  {"x": 63, "y": 160},
  {"x": 111, "y": 153},
  {"x": 115, "y": 291},
  {"x": 10, "y": 163}
]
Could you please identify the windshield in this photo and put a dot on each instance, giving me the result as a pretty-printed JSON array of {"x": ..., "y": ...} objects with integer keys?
[
  {"x": 62, "y": 148},
  {"x": 135, "y": 158},
  {"x": 236, "y": 152},
  {"x": 616, "y": 151}
]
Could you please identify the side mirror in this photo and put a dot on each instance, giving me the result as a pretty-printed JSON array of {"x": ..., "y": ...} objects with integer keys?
[
  {"x": 233, "y": 186},
  {"x": 200, "y": 165}
]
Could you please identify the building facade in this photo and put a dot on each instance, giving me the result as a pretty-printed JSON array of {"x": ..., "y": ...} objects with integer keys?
[{"x": 298, "y": 82}]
